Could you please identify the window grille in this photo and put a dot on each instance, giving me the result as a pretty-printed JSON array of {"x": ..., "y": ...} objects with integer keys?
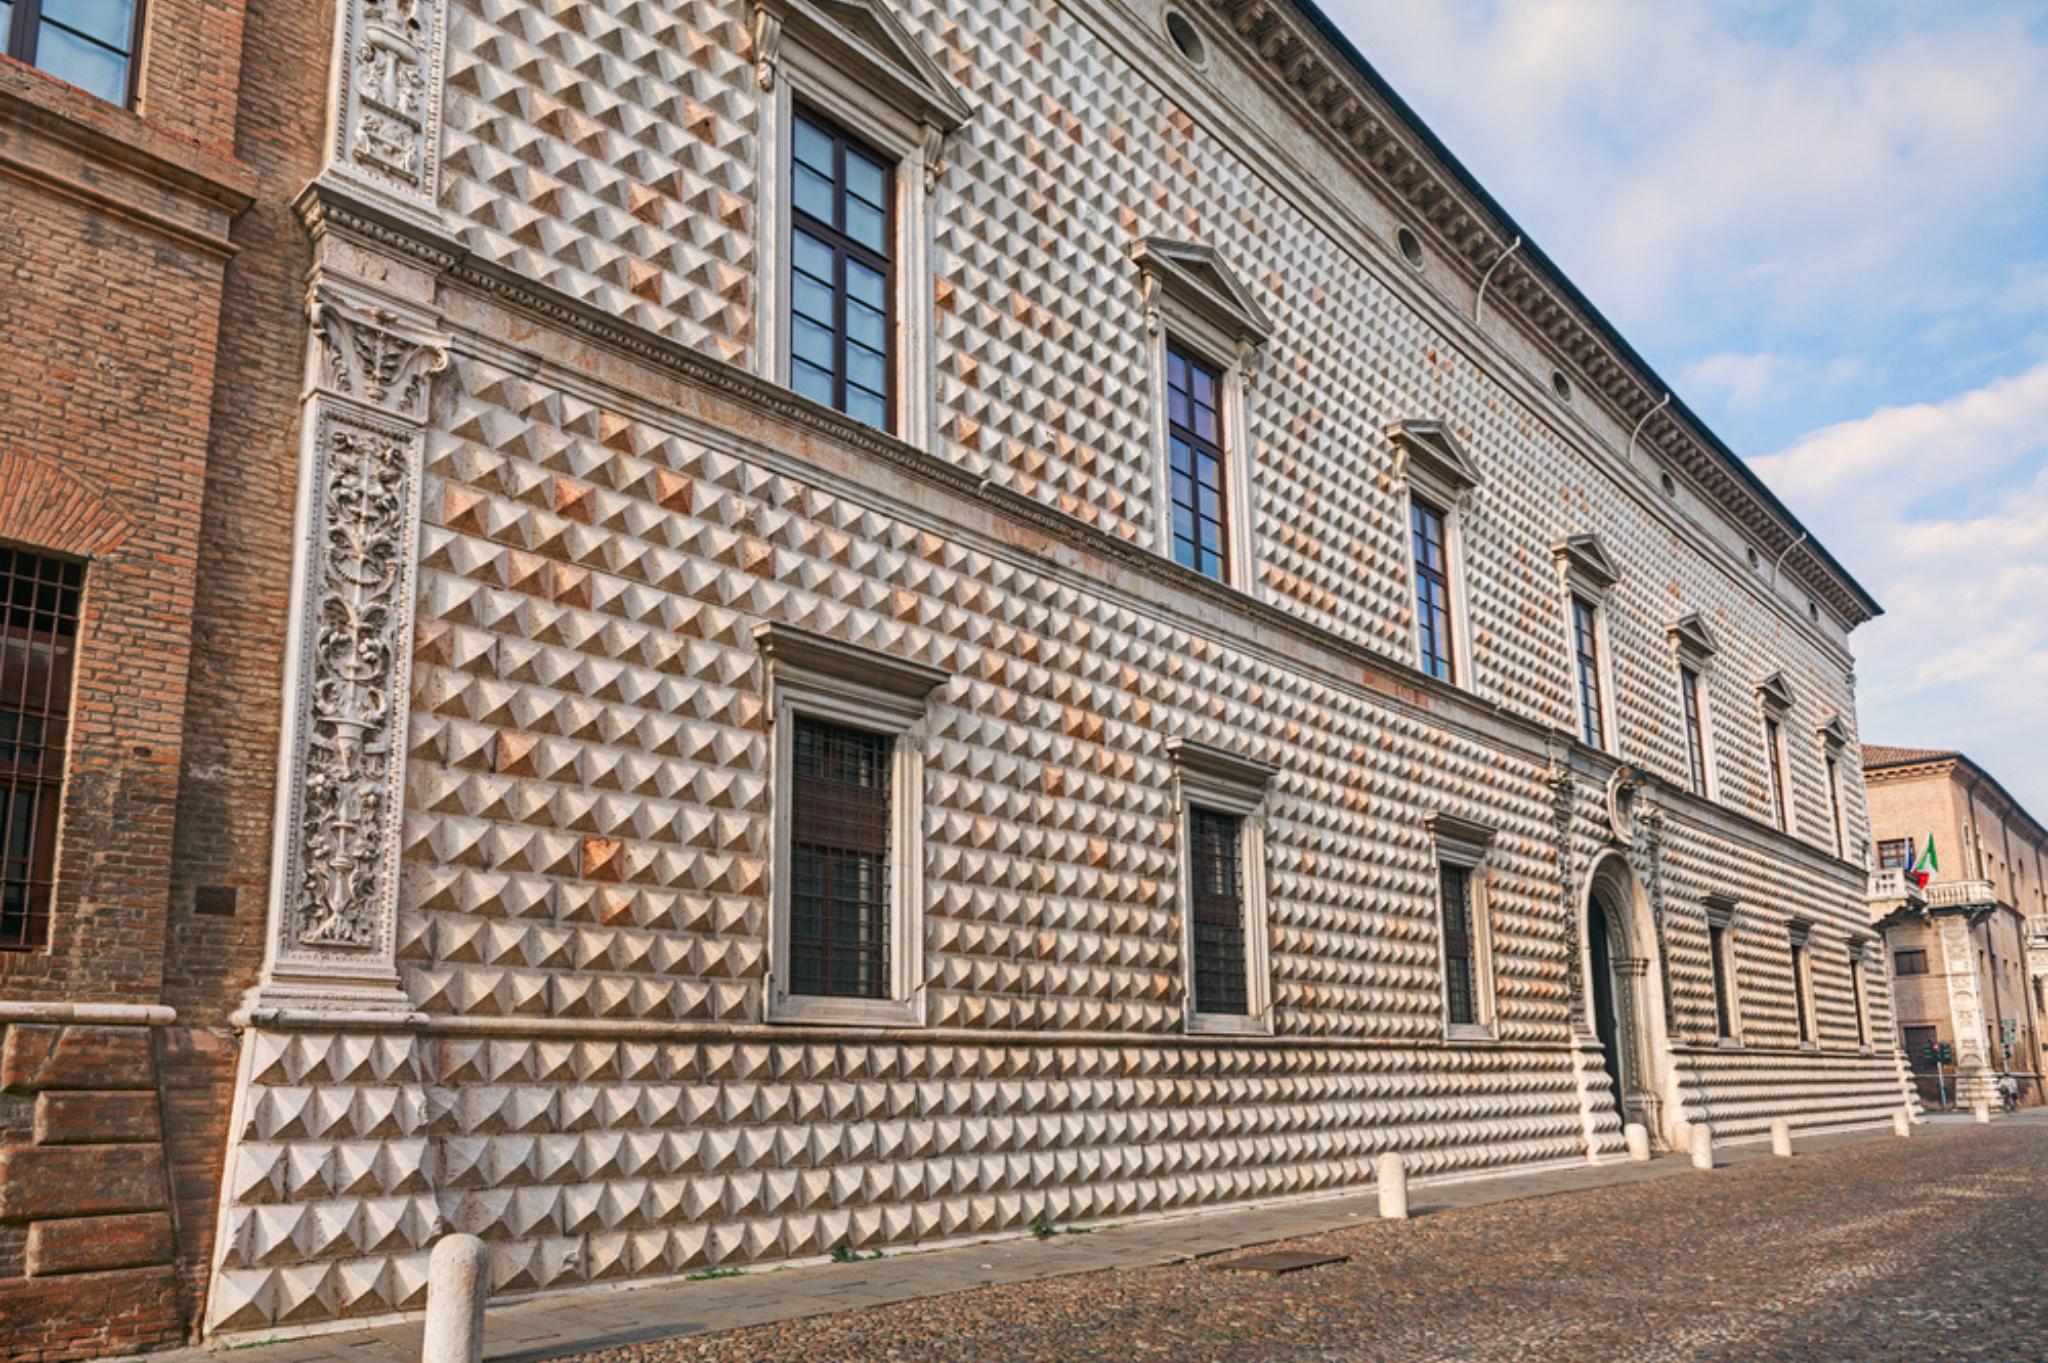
[
  {"x": 1895, "y": 854},
  {"x": 1461, "y": 985},
  {"x": 839, "y": 862},
  {"x": 1801, "y": 983},
  {"x": 1585, "y": 632},
  {"x": 1217, "y": 876},
  {"x": 1717, "y": 947},
  {"x": 39, "y": 600},
  {"x": 86, "y": 43},
  {"x": 1194, "y": 425},
  {"x": 1432, "y": 590},
  {"x": 841, "y": 273}
]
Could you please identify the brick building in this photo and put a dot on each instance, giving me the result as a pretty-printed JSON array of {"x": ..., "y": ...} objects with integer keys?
[
  {"x": 1969, "y": 956},
  {"x": 833, "y": 622}
]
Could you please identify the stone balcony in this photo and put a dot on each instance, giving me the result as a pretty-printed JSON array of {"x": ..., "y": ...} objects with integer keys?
[
  {"x": 1893, "y": 886},
  {"x": 1957, "y": 894}
]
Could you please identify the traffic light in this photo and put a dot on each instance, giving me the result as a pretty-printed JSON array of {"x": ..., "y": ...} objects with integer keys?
[
  {"x": 1933, "y": 1054},
  {"x": 1948, "y": 1054}
]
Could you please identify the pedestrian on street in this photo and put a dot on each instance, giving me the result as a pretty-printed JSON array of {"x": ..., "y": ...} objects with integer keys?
[{"x": 2008, "y": 1092}]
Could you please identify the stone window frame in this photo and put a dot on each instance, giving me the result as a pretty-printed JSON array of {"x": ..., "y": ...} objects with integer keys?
[
  {"x": 1799, "y": 948},
  {"x": 813, "y": 676},
  {"x": 1432, "y": 465},
  {"x": 1227, "y": 783},
  {"x": 1586, "y": 573},
  {"x": 1467, "y": 846},
  {"x": 1194, "y": 302},
  {"x": 1693, "y": 649},
  {"x": 1721, "y": 913},
  {"x": 854, "y": 64},
  {"x": 1774, "y": 702}
]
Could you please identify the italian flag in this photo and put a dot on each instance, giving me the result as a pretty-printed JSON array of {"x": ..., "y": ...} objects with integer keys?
[{"x": 1927, "y": 868}]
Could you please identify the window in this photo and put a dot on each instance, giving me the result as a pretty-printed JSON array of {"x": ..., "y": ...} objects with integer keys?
[
  {"x": 1216, "y": 878},
  {"x": 1717, "y": 951},
  {"x": 1586, "y": 646},
  {"x": 1194, "y": 432},
  {"x": 1461, "y": 977},
  {"x": 87, "y": 43},
  {"x": 1909, "y": 962},
  {"x": 1695, "y": 728},
  {"x": 1223, "y": 883},
  {"x": 1461, "y": 917},
  {"x": 1856, "y": 1000},
  {"x": 1834, "y": 775},
  {"x": 1802, "y": 988},
  {"x": 1920, "y": 1045},
  {"x": 1774, "y": 747},
  {"x": 849, "y": 776},
  {"x": 841, "y": 287},
  {"x": 1895, "y": 854},
  {"x": 38, "y": 646},
  {"x": 1432, "y": 590}
]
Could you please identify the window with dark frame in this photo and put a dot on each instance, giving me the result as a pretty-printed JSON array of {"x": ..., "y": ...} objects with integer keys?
[
  {"x": 1216, "y": 876},
  {"x": 1920, "y": 1043},
  {"x": 1695, "y": 728},
  {"x": 86, "y": 43},
  {"x": 1586, "y": 641},
  {"x": 1461, "y": 957},
  {"x": 839, "y": 861},
  {"x": 1913, "y": 962},
  {"x": 1774, "y": 743},
  {"x": 1432, "y": 590},
  {"x": 1895, "y": 854},
  {"x": 1801, "y": 983},
  {"x": 842, "y": 282},
  {"x": 1194, "y": 437},
  {"x": 1717, "y": 950},
  {"x": 1856, "y": 1001},
  {"x": 1835, "y": 805},
  {"x": 39, "y": 606}
]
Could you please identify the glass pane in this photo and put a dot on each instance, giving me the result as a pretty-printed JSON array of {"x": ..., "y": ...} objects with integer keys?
[
  {"x": 812, "y": 343},
  {"x": 812, "y": 299},
  {"x": 811, "y": 381},
  {"x": 866, "y": 179},
  {"x": 105, "y": 21},
  {"x": 866, "y": 407},
  {"x": 1176, "y": 371},
  {"x": 814, "y": 148},
  {"x": 864, "y": 225},
  {"x": 866, "y": 368},
  {"x": 813, "y": 194},
  {"x": 1205, "y": 388},
  {"x": 865, "y": 285},
  {"x": 6, "y": 22},
  {"x": 865, "y": 326},
  {"x": 88, "y": 66},
  {"x": 814, "y": 257}
]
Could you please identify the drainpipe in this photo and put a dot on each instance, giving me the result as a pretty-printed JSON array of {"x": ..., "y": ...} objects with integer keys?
[
  {"x": 1661, "y": 404},
  {"x": 1779, "y": 561}
]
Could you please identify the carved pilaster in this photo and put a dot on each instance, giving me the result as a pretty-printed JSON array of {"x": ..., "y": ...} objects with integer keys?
[
  {"x": 387, "y": 120},
  {"x": 1563, "y": 796},
  {"x": 334, "y": 881}
]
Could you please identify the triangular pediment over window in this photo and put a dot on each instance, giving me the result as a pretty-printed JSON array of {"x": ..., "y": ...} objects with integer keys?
[
  {"x": 1692, "y": 637},
  {"x": 1198, "y": 285},
  {"x": 1427, "y": 453},
  {"x": 1775, "y": 692},
  {"x": 861, "y": 39},
  {"x": 1833, "y": 735},
  {"x": 1586, "y": 560}
]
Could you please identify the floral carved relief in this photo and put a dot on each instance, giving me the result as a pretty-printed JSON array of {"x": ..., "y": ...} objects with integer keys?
[{"x": 391, "y": 78}]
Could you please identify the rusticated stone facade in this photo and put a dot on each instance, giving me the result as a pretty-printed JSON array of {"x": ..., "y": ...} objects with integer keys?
[{"x": 522, "y": 355}]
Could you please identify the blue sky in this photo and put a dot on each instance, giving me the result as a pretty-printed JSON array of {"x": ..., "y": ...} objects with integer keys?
[{"x": 1826, "y": 225}]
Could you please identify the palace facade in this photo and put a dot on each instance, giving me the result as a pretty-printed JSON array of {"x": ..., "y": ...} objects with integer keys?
[{"x": 894, "y": 618}]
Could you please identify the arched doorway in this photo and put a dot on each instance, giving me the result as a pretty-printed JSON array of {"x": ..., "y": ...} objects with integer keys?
[{"x": 1624, "y": 998}]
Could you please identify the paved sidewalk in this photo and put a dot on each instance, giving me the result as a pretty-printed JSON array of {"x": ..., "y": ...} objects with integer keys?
[{"x": 559, "y": 1326}]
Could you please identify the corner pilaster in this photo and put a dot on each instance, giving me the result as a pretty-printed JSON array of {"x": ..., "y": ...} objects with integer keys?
[{"x": 386, "y": 110}]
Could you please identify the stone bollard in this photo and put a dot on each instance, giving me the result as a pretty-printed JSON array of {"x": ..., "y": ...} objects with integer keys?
[
  {"x": 458, "y": 1284},
  {"x": 1638, "y": 1137},
  {"x": 1902, "y": 1124},
  {"x": 1393, "y": 1181},
  {"x": 1781, "y": 1138},
  {"x": 1702, "y": 1146},
  {"x": 1983, "y": 1111}
]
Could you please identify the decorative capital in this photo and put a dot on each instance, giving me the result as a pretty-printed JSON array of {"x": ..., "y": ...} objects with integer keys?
[{"x": 369, "y": 354}]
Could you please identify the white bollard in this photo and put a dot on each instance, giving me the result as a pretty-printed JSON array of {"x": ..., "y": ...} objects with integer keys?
[
  {"x": 1781, "y": 1138},
  {"x": 1702, "y": 1146},
  {"x": 1983, "y": 1111},
  {"x": 1393, "y": 1181},
  {"x": 458, "y": 1284},
  {"x": 1638, "y": 1137},
  {"x": 1902, "y": 1124}
]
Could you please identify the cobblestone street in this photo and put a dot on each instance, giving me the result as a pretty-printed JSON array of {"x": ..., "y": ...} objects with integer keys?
[{"x": 1926, "y": 1249}]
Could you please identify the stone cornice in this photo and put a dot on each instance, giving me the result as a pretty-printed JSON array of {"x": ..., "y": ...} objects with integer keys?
[{"x": 1391, "y": 148}]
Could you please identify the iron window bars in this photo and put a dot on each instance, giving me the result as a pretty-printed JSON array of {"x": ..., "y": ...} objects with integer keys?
[
  {"x": 39, "y": 601},
  {"x": 1217, "y": 878},
  {"x": 839, "y": 862},
  {"x": 1461, "y": 963}
]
